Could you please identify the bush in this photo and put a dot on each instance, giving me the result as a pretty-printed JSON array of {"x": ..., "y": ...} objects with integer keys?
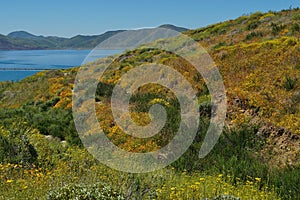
[
  {"x": 220, "y": 44},
  {"x": 5, "y": 148},
  {"x": 253, "y": 25},
  {"x": 16, "y": 148},
  {"x": 232, "y": 151},
  {"x": 295, "y": 28},
  {"x": 290, "y": 83},
  {"x": 83, "y": 192},
  {"x": 253, "y": 35},
  {"x": 286, "y": 182},
  {"x": 277, "y": 28}
]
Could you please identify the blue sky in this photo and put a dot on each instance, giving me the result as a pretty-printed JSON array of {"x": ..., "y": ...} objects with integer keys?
[{"x": 72, "y": 17}]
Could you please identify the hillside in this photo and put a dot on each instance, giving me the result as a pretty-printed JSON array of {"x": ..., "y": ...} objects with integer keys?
[
  {"x": 22, "y": 40},
  {"x": 257, "y": 156}
]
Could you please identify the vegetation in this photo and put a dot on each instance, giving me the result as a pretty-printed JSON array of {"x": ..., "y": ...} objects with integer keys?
[{"x": 256, "y": 157}]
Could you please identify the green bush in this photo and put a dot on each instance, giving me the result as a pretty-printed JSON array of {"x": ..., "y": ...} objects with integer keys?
[
  {"x": 277, "y": 28},
  {"x": 57, "y": 122},
  {"x": 233, "y": 152},
  {"x": 253, "y": 25},
  {"x": 290, "y": 83},
  {"x": 5, "y": 148},
  {"x": 254, "y": 35},
  {"x": 295, "y": 28},
  {"x": 16, "y": 148},
  {"x": 220, "y": 44},
  {"x": 286, "y": 182}
]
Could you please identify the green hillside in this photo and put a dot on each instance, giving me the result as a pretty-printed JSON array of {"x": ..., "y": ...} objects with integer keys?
[{"x": 257, "y": 156}]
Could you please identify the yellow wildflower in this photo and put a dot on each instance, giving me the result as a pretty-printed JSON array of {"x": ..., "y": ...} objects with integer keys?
[{"x": 258, "y": 179}]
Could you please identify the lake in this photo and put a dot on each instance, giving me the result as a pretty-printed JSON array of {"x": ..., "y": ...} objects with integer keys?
[{"x": 16, "y": 65}]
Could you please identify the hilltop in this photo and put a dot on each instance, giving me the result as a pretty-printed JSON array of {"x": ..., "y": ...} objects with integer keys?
[
  {"x": 258, "y": 56},
  {"x": 22, "y": 34}
]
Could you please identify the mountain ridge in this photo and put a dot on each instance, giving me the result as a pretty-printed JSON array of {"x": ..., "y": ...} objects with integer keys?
[
  {"x": 22, "y": 34},
  {"x": 23, "y": 40}
]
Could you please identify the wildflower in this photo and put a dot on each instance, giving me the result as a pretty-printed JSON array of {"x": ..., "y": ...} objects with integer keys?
[
  {"x": 258, "y": 179},
  {"x": 202, "y": 179},
  {"x": 249, "y": 182},
  {"x": 9, "y": 181},
  {"x": 158, "y": 190}
]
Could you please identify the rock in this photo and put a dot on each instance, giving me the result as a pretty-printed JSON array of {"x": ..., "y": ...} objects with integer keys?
[
  {"x": 49, "y": 137},
  {"x": 233, "y": 32},
  {"x": 64, "y": 143},
  {"x": 266, "y": 19},
  {"x": 222, "y": 54}
]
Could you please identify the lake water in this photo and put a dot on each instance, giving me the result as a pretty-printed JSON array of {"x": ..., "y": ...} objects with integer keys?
[{"x": 16, "y": 65}]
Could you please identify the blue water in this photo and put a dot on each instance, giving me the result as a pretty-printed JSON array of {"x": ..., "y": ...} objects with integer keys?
[{"x": 35, "y": 60}]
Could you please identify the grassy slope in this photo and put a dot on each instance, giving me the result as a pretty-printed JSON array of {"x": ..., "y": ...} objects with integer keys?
[
  {"x": 259, "y": 59},
  {"x": 261, "y": 69},
  {"x": 261, "y": 73}
]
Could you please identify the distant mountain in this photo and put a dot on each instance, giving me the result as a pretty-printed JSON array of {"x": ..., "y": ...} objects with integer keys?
[
  {"x": 87, "y": 42},
  {"x": 172, "y": 27},
  {"x": 134, "y": 38},
  {"x": 22, "y": 40},
  {"x": 22, "y": 34}
]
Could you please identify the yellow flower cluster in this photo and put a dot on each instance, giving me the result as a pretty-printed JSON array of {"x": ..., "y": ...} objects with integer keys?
[
  {"x": 159, "y": 101},
  {"x": 212, "y": 186}
]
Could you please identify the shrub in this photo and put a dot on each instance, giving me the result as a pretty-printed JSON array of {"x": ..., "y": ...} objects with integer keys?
[
  {"x": 286, "y": 182},
  {"x": 277, "y": 28},
  {"x": 290, "y": 83},
  {"x": 253, "y": 35},
  {"x": 232, "y": 151},
  {"x": 220, "y": 44},
  {"x": 295, "y": 28},
  {"x": 84, "y": 192},
  {"x": 253, "y": 25},
  {"x": 5, "y": 148},
  {"x": 242, "y": 19},
  {"x": 268, "y": 15},
  {"x": 256, "y": 15},
  {"x": 296, "y": 16},
  {"x": 16, "y": 148}
]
